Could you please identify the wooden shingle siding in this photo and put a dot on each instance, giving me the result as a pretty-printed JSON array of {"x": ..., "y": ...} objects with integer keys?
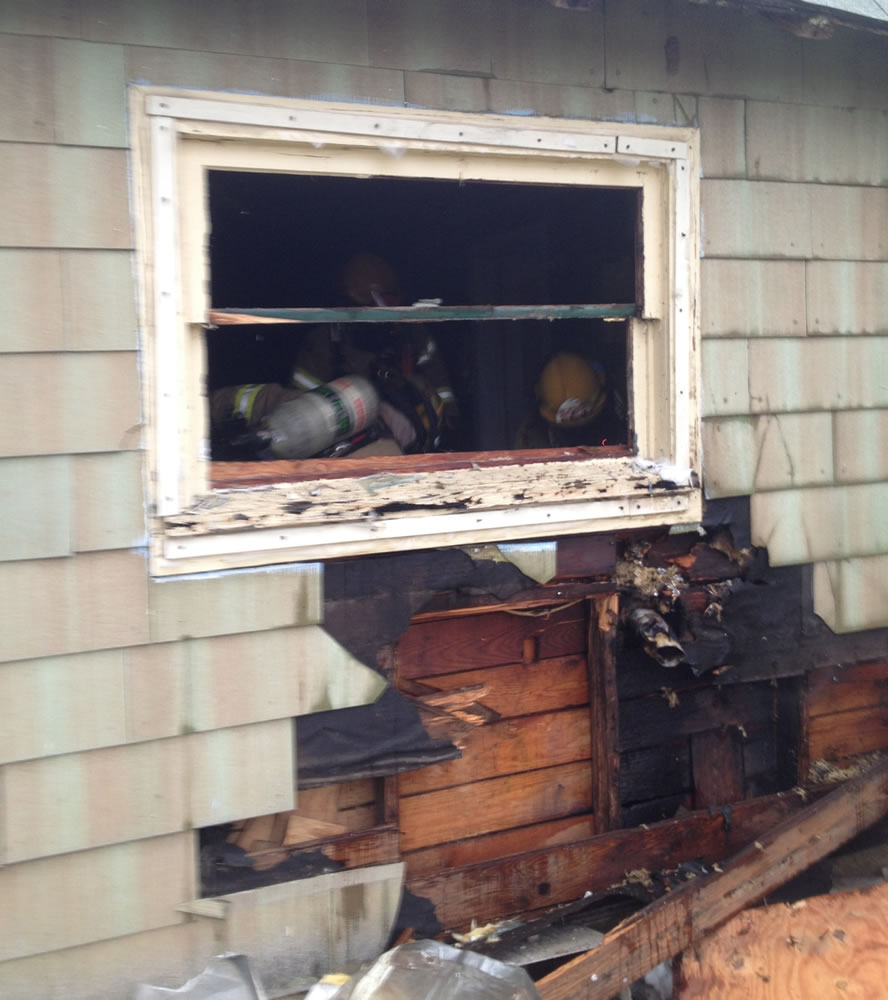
[
  {"x": 71, "y": 403},
  {"x": 167, "y": 956},
  {"x": 817, "y": 373},
  {"x": 861, "y": 445},
  {"x": 568, "y": 46},
  {"x": 243, "y": 601},
  {"x": 800, "y": 526},
  {"x": 804, "y": 143},
  {"x": 426, "y": 35},
  {"x": 753, "y": 298},
  {"x": 103, "y": 893},
  {"x": 754, "y": 59},
  {"x": 287, "y": 77},
  {"x": 69, "y": 300},
  {"x": 30, "y": 488},
  {"x": 726, "y": 387},
  {"x": 64, "y": 196},
  {"x": 62, "y": 704},
  {"x": 755, "y": 219},
  {"x": 89, "y": 94},
  {"x": 746, "y": 455},
  {"x": 268, "y": 675},
  {"x": 67, "y": 704},
  {"x": 322, "y": 30},
  {"x": 722, "y": 137},
  {"x": 847, "y": 297},
  {"x": 517, "y": 97},
  {"x": 852, "y": 594},
  {"x": 108, "y": 506},
  {"x": 93, "y": 601},
  {"x": 77, "y": 801}
]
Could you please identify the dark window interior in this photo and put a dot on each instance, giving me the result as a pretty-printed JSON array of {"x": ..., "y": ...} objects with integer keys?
[{"x": 283, "y": 241}]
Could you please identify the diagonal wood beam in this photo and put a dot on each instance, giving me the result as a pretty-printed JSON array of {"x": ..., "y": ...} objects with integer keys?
[{"x": 671, "y": 924}]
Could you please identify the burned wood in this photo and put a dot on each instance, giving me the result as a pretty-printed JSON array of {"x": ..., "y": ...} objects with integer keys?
[
  {"x": 717, "y": 760},
  {"x": 672, "y": 924},
  {"x": 509, "y": 746},
  {"x": 601, "y": 658},
  {"x": 651, "y": 721},
  {"x": 436, "y": 817},
  {"x": 586, "y": 555},
  {"x": 482, "y": 488},
  {"x": 504, "y": 884},
  {"x": 432, "y": 648}
]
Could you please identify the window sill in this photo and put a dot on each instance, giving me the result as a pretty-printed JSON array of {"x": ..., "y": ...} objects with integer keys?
[{"x": 326, "y": 518}]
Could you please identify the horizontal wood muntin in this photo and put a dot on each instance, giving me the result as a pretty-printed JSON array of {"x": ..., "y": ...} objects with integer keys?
[{"x": 418, "y": 314}]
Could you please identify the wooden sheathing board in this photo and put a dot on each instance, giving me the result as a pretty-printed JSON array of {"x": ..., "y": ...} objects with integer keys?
[
  {"x": 824, "y": 946},
  {"x": 685, "y": 741},
  {"x": 554, "y": 871},
  {"x": 525, "y": 779},
  {"x": 344, "y": 821},
  {"x": 845, "y": 713}
]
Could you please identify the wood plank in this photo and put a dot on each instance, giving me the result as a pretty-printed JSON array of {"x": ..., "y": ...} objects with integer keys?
[
  {"x": 820, "y": 947},
  {"x": 835, "y": 689},
  {"x": 496, "y": 804},
  {"x": 557, "y": 874},
  {"x": 377, "y": 846},
  {"x": 650, "y": 721},
  {"x": 418, "y": 314},
  {"x": 847, "y": 697},
  {"x": 455, "y": 604},
  {"x": 490, "y": 846},
  {"x": 717, "y": 761},
  {"x": 674, "y": 922},
  {"x": 236, "y": 475},
  {"x": 509, "y": 747},
  {"x": 831, "y": 737},
  {"x": 601, "y": 656},
  {"x": 585, "y": 555},
  {"x": 516, "y": 689},
  {"x": 301, "y": 829},
  {"x": 655, "y": 772},
  {"x": 428, "y": 649}
]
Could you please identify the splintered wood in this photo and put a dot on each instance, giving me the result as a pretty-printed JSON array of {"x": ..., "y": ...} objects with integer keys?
[
  {"x": 525, "y": 778},
  {"x": 327, "y": 814},
  {"x": 407, "y": 494},
  {"x": 825, "y": 946},
  {"x": 676, "y": 922}
]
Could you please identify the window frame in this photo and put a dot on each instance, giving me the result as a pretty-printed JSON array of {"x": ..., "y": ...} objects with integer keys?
[{"x": 178, "y": 135}]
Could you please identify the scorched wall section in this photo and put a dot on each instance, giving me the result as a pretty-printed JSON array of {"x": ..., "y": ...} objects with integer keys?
[{"x": 107, "y": 673}]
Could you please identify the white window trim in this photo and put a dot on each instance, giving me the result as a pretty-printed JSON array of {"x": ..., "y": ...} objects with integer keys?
[{"x": 170, "y": 225}]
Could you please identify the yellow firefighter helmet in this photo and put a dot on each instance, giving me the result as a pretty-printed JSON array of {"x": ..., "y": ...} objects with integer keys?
[{"x": 571, "y": 390}]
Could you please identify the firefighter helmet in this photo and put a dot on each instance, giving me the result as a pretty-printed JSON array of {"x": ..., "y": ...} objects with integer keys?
[{"x": 571, "y": 390}]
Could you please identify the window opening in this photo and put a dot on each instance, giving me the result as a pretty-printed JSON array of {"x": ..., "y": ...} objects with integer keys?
[{"x": 485, "y": 316}]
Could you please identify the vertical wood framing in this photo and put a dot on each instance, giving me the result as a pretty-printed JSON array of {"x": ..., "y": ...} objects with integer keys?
[
  {"x": 167, "y": 348},
  {"x": 717, "y": 758},
  {"x": 601, "y": 664},
  {"x": 681, "y": 340}
]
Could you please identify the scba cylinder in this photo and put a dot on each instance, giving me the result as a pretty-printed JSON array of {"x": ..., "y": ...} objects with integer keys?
[{"x": 320, "y": 418}]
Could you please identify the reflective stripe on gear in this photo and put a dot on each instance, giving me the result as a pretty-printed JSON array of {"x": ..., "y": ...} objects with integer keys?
[{"x": 245, "y": 400}]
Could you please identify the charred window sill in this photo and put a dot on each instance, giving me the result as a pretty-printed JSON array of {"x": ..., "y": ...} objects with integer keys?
[{"x": 392, "y": 511}]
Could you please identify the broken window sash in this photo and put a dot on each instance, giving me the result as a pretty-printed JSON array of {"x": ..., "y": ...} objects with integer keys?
[{"x": 420, "y": 314}]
